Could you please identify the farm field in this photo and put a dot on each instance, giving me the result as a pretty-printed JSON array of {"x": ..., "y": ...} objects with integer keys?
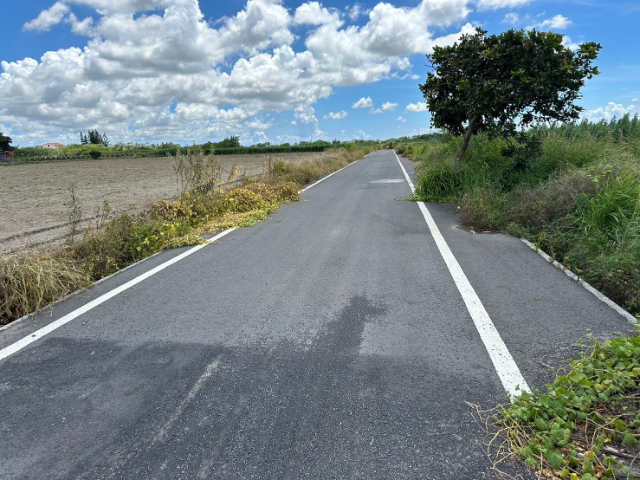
[{"x": 35, "y": 199}]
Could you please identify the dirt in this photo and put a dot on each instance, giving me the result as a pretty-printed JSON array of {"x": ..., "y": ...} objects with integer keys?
[{"x": 35, "y": 200}]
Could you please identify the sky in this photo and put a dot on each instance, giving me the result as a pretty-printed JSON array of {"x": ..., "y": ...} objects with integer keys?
[{"x": 268, "y": 70}]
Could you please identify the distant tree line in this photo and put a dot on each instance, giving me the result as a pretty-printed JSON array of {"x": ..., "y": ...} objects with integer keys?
[{"x": 93, "y": 137}]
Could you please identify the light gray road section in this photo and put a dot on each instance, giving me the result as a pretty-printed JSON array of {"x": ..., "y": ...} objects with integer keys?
[{"x": 327, "y": 342}]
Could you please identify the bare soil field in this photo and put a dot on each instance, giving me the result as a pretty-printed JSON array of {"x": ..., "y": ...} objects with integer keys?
[{"x": 35, "y": 200}]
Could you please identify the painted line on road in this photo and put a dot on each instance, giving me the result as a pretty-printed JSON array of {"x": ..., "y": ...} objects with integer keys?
[
  {"x": 38, "y": 334},
  {"x": 599, "y": 295},
  {"x": 330, "y": 175},
  {"x": 504, "y": 364}
]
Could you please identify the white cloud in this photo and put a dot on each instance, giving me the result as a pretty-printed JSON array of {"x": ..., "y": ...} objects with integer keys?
[
  {"x": 559, "y": 22},
  {"x": 363, "y": 103},
  {"x": 80, "y": 27},
  {"x": 312, "y": 13},
  {"x": 611, "y": 110},
  {"x": 496, "y": 4},
  {"x": 143, "y": 56},
  {"x": 566, "y": 41},
  {"x": 356, "y": 11},
  {"x": 386, "y": 107},
  {"x": 416, "y": 107},
  {"x": 389, "y": 106},
  {"x": 400, "y": 119},
  {"x": 637, "y": 99},
  {"x": 511, "y": 18},
  {"x": 48, "y": 18},
  {"x": 305, "y": 114},
  {"x": 335, "y": 116}
]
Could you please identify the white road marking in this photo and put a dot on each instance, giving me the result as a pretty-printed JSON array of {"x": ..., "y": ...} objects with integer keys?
[
  {"x": 504, "y": 364},
  {"x": 599, "y": 295},
  {"x": 38, "y": 334},
  {"x": 209, "y": 371},
  {"x": 330, "y": 175},
  {"x": 388, "y": 180}
]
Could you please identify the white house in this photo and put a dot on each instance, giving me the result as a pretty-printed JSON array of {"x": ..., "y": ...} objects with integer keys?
[{"x": 52, "y": 146}]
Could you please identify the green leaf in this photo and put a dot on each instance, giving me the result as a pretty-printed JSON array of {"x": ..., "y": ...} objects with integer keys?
[
  {"x": 620, "y": 425},
  {"x": 585, "y": 383},
  {"x": 526, "y": 453},
  {"x": 576, "y": 376},
  {"x": 541, "y": 424},
  {"x": 554, "y": 457}
]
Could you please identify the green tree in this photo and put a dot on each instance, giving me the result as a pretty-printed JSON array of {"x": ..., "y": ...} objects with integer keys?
[
  {"x": 230, "y": 142},
  {"x": 499, "y": 82},
  {"x": 5, "y": 143},
  {"x": 94, "y": 137}
]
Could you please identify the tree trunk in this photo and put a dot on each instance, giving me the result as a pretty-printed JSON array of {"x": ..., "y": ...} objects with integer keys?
[{"x": 465, "y": 144}]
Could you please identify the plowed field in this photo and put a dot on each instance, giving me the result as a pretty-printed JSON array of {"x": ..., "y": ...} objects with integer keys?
[{"x": 35, "y": 198}]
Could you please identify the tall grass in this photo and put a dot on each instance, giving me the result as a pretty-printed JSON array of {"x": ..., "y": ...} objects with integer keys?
[
  {"x": 579, "y": 199},
  {"x": 30, "y": 281}
]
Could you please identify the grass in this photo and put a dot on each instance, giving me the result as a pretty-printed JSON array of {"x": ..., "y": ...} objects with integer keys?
[
  {"x": 31, "y": 280},
  {"x": 577, "y": 197}
]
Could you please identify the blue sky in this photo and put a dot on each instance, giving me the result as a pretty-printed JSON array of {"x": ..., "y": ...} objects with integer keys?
[{"x": 267, "y": 70}]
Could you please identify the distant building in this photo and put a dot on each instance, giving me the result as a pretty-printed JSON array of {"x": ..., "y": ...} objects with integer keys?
[{"x": 52, "y": 146}]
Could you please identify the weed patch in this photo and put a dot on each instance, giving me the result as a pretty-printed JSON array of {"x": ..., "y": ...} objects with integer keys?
[{"x": 583, "y": 426}]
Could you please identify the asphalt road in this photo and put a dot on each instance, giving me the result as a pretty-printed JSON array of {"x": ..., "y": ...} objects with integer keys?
[{"x": 330, "y": 342}]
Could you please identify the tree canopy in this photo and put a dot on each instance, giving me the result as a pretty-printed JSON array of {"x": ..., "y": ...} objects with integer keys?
[
  {"x": 93, "y": 137},
  {"x": 5, "y": 143},
  {"x": 498, "y": 83}
]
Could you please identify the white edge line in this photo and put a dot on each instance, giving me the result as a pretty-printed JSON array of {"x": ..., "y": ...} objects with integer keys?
[
  {"x": 504, "y": 364},
  {"x": 599, "y": 295},
  {"x": 32, "y": 337},
  {"x": 330, "y": 175}
]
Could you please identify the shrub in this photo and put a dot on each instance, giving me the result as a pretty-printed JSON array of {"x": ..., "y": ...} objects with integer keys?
[
  {"x": 95, "y": 154},
  {"x": 485, "y": 208}
]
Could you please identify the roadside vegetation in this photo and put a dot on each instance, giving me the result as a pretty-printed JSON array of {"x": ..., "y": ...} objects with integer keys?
[
  {"x": 33, "y": 279},
  {"x": 574, "y": 191},
  {"x": 514, "y": 160},
  {"x": 584, "y": 426}
]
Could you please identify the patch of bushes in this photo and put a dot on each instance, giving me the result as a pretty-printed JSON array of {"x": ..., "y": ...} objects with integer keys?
[{"x": 126, "y": 239}]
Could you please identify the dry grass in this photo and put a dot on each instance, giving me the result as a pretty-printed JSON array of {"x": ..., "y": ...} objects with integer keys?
[{"x": 32, "y": 280}]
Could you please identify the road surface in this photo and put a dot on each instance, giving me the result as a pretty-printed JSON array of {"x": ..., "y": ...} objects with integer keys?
[{"x": 330, "y": 342}]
